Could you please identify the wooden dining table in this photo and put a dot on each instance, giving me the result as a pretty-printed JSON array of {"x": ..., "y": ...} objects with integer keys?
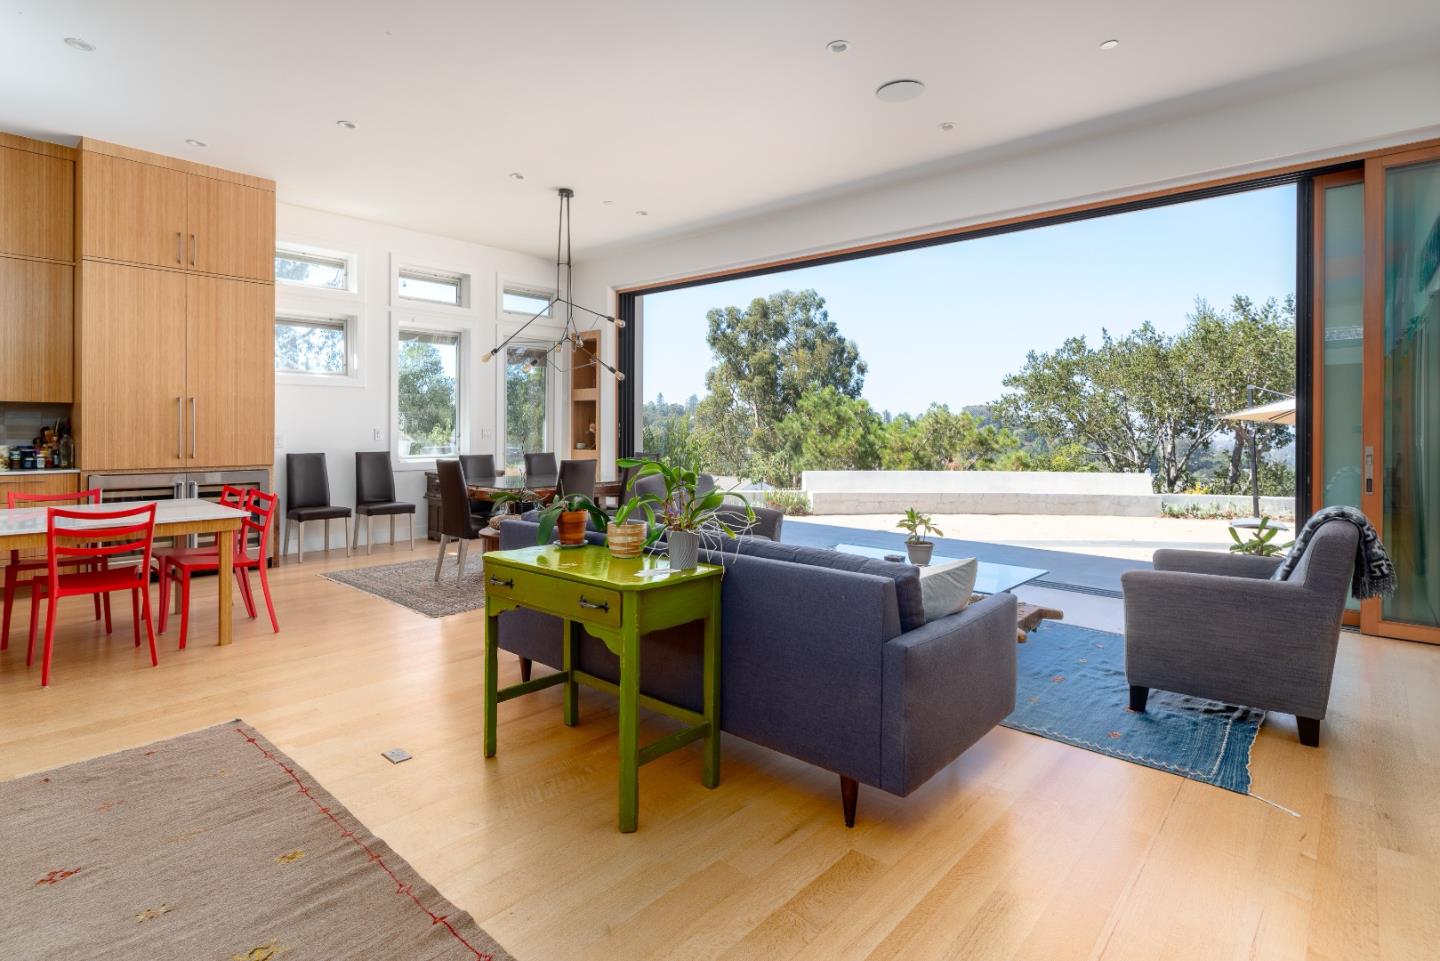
[
  {"x": 23, "y": 528},
  {"x": 485, "y": 488}
]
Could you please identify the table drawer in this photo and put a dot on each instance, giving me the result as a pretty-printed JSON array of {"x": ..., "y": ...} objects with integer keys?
[{"x": 555, "y": 595}]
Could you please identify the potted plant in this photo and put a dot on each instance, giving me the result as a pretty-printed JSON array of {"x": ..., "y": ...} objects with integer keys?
[
  {"x": 569, "y": 512},
  {"x": 918, "y": 544},
  {"x": 1260, "y": 543},
  {"x": 627, "y": 535},
  {"x": 518, "y": 497},
  {"x": 685, "y": 513}
]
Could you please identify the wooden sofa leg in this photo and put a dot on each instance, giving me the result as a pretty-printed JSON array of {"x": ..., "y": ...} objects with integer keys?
[
  {"x": 1309, "y": 729},
  {"x": 849, "y": 792},
  {"x": 1138, "y": 696},
  {"x": 524, "y": 668}
]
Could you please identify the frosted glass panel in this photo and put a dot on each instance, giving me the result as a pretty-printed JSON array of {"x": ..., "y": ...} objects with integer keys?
[
  {"x": 1411, "y": 452},
  {"x": 1343, "y": 305}
]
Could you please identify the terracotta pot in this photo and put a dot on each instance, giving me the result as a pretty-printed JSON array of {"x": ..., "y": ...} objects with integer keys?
[
  {"x": 572, "y": 527},
  {"x": 626, "y": 540}
]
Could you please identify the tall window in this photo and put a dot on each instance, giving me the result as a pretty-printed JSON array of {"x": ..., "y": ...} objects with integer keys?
[
  {"x": 310, "y": 268},
  {"x": 433, "y": 286},
  {"x": 428, "y": 393},
  {"x": 526, "y": 402},
  {"x": 312, "y": 345}
]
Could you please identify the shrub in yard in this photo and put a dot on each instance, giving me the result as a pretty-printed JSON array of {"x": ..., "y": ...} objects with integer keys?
[{"x": 793, "y": 503}]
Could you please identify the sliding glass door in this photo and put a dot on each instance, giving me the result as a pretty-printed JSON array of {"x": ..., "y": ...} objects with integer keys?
[{"x": 1402, "y": 388}]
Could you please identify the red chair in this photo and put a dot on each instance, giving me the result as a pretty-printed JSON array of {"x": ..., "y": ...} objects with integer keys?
[
  {"x": 95, "y": 542},
  {"x": 16, "y": 567},
  {"x": 179, "y": 563}
]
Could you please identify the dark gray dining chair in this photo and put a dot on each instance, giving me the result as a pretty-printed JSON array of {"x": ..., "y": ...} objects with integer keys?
[
  {"x": 540, "y": 465},
  {"x": 478, "y": 465},
  {"x": 576, "y": 477},
  {"x": 307, "y": 498},
  {"x": 375, "y": 497},
  {"x": 456, "y": 522}
]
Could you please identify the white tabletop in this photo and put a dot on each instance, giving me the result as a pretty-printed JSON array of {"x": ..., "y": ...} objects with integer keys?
[{"x": 184, "y": 510}]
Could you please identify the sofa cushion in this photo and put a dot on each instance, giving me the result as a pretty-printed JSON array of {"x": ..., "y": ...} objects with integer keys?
[
  {"x": 946, "y": 588},
  {"x": 906, "y": 576}
]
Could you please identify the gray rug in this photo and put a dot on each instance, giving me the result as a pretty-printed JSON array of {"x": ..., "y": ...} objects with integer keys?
[
  {"x": 1071, "y": 688},
  {"x": 209, "y": 845},
  {"x": 412, "y": 584}
]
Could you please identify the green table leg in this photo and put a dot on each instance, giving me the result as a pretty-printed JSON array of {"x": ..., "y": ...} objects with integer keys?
[
  {"x": 629, "y": 715},
  {"x": 571, "y": 710},
  {"x": 710, "y": 769},
  {"x": 492, "y": 670}
]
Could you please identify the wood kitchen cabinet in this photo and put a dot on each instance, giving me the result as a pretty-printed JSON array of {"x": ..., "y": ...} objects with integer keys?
[
  {"x": 37, "y": 199},
  {"x": 144, "y": 208},
  {"x": 36, "y": 330},
  {"x": 230, "y": 332},
  {"x": 131, "y": 403}
]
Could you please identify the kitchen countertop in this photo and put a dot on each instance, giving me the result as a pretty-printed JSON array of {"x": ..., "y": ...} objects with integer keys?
[{"x": 33, "y": 473}]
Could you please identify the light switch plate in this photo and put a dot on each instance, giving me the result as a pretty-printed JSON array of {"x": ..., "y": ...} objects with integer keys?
[
  {"x": 396, "y": 754},
  {"x": 375, "y": 434}
]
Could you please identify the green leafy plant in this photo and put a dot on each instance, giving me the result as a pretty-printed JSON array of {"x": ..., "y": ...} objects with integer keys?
[
  {"x": 919, "y": 527},
  {"x": 520, "y": 497},
  {"x": 550, "y": 514},
  {"x": 683, "y": 507},
  {"x": 793, "y": 503},
  {"x": 1261, "y": 543}
]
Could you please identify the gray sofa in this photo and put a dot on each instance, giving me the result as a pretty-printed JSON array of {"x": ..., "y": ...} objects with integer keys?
[
  {"x": 824, "y": 657},
  {"x": 1215, "y": 626}
]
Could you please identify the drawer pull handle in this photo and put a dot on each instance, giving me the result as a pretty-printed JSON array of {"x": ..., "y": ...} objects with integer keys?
[
  {"x": 499, "y": 583},
  {"x": 602, "y": 606}
]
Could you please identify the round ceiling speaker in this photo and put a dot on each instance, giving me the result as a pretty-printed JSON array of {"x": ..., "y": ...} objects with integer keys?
[{"x": 898, "y": 91}]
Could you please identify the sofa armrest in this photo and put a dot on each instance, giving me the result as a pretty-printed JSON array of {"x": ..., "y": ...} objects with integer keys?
[
  {"x": 1261, "y": 643},
  {"x": 946, "y": 684},
  {"x": 1213, "y": 562}
]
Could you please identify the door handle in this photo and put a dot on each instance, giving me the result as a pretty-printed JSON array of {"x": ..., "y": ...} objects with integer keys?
[
  {"x": 179, "y": 248},
  {"x": 179, "y": 428},
  {"x": 592, "y": 605},
  {"x": 192, "y": 426},
  {"x": 1369, "y": 469},
  {"x": 193, "y": 247}
]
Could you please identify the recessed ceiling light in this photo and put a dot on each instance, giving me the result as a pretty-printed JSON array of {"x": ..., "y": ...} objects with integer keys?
[
  {"x": 196, "y": 143},
  {"x": 1109, "y": 44},
  {"x": 838, "y": 46},
  {"x": 947, "y": 126},
  {"x": 347, "y": 124},
  {"x": 517, "y": 175},
  {"x": 898, "y": 91},
  {"x": 607, "y": 203},
  {"x": 79, "y": 44},
  {"x": 642, "y": 213}
]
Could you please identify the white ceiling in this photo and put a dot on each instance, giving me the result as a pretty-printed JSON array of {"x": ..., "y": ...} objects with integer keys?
[{"x": 694, "y": 112}]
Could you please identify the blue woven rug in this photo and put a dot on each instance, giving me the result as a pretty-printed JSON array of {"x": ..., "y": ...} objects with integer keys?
[{"x": 1071, "y": 688}]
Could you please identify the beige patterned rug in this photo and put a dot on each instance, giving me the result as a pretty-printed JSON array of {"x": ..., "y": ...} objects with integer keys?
[
  {"x": 212, "y": 845},
  {"x": 412, "y": 584}
]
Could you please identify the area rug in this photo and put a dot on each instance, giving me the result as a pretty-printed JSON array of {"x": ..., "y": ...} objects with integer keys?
[
  {"x": 1071, "y": 688},
  {"x": 413, "y": 585},
  {"x": 212, "y": 845}
]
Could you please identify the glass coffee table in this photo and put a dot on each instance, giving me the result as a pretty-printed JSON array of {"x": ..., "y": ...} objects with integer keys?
[{"x": 990, "y": 578}]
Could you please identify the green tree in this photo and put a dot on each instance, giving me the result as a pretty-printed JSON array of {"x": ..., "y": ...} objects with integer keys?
[
  {"x": 827, "y": 430},
  {"x": 426, "y": 397},
  {"x": 524, "y": 403}
]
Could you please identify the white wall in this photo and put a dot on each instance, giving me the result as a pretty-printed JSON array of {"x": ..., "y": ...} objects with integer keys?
[
  {"x": 1381, "y": 106},
  {"x": 340, "y": 419}
]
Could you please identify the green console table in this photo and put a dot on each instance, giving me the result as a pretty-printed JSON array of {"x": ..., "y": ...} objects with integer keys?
[{"x": 618, "y": 600}]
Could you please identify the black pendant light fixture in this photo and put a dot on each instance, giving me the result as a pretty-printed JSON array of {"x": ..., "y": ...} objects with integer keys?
[{"x": 564, "y": 297}]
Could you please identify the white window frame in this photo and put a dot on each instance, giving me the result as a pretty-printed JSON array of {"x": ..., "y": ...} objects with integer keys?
[
  {"x": 537, "y": 335},
  {"x": 403, "y": 321},
  {"x": 355, "y": 372},
  {"x": 306, "y": 249},
  {"x": 399, "y": 265},
  {"x": 503, "y": 286}
]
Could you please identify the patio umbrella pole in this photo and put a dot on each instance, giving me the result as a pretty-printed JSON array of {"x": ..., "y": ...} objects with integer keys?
[{"x": 1254, "y": 457}]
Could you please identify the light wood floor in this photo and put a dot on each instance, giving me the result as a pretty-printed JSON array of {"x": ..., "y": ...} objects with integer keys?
[{"x": 1023, "y": 848}]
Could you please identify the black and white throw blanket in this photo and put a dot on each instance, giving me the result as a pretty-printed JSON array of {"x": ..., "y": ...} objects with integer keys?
[{"x": 1374, "y": 573}]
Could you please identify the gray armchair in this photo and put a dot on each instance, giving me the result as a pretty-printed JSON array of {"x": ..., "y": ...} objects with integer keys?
[{"x": 1215, "y": 626}]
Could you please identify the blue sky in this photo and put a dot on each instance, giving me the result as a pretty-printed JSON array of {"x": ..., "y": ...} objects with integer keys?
[{"x": 947, "y": 323}]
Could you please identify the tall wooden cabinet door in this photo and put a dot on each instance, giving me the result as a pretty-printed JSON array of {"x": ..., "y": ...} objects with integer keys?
[
  {"x": 36, "y": 331},
  {"x": 37, "y": 205},
  {"x": 131, "y": 211},
  {"x": 232, "y": 228},
  {"x": 132, "y": 354},
  {"x": 230, "y": 372}
]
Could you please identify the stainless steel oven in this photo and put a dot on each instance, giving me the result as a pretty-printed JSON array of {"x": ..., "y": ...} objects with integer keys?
[{"x": 174, "y": 485}]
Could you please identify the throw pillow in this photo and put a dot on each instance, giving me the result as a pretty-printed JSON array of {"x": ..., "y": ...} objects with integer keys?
[{"x": 946, "y": 588}]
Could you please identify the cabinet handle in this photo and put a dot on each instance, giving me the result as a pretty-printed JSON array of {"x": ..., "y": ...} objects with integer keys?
[
  {"x": 179, "y": 425},
  {"x": 499, "y": 583},
  {"x": 602, "y": 606},
  {"x": 193, "y": 247},
  {"x": 179, "y": 247},
  {"x": 192, "y": 426}
]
